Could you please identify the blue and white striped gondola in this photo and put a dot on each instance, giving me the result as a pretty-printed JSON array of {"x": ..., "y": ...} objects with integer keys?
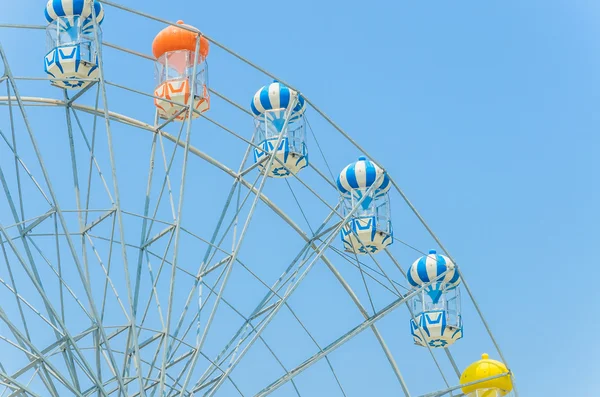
[
  {"x": 370, "y": 228},
  {"x": 279, "y": 110},
  {"x": 438, "y": 321},
  {"x": 72, "y": 54}
]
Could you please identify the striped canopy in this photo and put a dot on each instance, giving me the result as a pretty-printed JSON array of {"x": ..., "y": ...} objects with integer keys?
[
  {"x": 428, "y": 268},
  {"x": 68, "y": 9},
  {"x": 361, "y": 175},
  {"x": 277, "y": 96}
]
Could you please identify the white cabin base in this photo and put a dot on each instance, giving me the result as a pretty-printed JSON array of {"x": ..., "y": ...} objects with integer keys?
[
  {"x": 360, "y": 235},
  {"x": 290, "y": 161},
  {"x": 68, "y": 66},
  {"x": 432, "y": 328},
  {"x": 175, "y": 94}
]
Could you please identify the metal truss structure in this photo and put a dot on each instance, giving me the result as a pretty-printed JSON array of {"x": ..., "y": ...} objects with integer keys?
[{"x": 185, "y": 275}]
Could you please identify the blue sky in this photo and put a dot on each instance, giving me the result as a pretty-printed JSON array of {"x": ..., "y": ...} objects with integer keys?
[{"x": 486, "y": 115}]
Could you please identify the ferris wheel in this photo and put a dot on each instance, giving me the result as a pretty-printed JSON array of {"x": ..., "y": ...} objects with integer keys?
[{"x": 164, "y": 238}]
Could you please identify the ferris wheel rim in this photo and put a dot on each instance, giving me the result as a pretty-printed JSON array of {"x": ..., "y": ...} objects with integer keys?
[
  {"x": 139, "y": 124},
  {"x": 144, "y": 126}
]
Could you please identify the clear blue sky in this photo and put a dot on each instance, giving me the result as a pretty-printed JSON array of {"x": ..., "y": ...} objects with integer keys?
[{"x": 485, "y": 113}]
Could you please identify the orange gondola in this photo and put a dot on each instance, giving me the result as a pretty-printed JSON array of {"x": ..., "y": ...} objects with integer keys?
[{"x": 174, "y": 49}]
